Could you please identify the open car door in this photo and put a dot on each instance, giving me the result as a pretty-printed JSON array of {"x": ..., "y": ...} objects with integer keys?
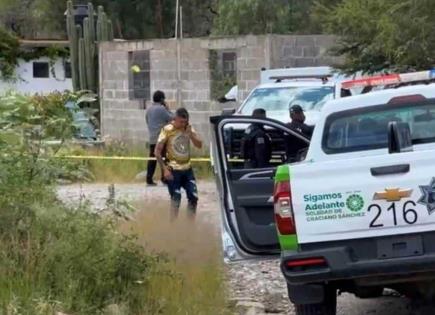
[{"x": 246, "y": 193}]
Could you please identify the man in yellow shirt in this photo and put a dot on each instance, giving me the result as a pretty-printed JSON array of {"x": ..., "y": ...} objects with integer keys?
[{"x": 174, "y": 140}]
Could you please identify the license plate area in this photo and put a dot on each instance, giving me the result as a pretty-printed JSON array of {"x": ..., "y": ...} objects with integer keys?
[{"x": 400, "y": 246}]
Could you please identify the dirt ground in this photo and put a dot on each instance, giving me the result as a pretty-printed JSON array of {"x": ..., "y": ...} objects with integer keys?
[{"x": 259, "y": 281}]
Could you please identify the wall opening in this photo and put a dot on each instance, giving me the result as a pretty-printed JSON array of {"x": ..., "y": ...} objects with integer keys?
[
  {"x": 223, "y": 72},
  {"x": 139, "y": 81},
  {"x": 41, "y": 70}
]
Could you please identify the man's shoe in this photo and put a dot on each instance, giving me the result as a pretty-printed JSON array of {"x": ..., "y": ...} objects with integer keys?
[{"x": 151, "y": 184}]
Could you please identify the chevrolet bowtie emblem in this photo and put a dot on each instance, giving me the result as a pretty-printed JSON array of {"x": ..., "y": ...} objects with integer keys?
[{"x": 391, "y": 195}]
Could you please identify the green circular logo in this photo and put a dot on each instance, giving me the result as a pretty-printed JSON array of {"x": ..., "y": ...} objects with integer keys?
[{"x": 355, "y": 203}]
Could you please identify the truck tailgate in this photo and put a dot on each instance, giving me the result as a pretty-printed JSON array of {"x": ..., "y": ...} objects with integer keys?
[{"x": 364, "y": 197}]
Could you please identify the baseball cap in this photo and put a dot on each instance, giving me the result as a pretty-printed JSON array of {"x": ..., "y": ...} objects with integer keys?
[{"x": 296, "y": 109}]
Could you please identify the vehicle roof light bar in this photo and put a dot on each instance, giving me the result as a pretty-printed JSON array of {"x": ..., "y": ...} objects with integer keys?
[
  {"x": 324, "y": 78},
  {"x": 292, "y": 77},
  {"x": 390, "y": 79}
]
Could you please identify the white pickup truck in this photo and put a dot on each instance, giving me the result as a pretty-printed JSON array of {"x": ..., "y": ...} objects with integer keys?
[{"x": 358, "y": 214}]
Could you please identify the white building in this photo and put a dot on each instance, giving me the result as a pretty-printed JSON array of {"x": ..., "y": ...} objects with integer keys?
[{"x": 41, "y": 76}]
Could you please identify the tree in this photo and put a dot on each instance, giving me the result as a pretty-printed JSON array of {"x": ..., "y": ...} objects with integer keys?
[
  {"x": 9, "y": 52},
  {"x": 18, "y": 16},
  {"x": 198, "y": 17},
  {"x": 382, "y": 35},
  {"x": 252, "y": 17}
]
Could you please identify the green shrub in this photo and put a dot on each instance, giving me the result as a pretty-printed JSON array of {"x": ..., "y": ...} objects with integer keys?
[{"x": 53, "y": 257}]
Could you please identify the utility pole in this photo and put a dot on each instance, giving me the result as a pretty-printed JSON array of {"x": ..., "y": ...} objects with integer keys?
[{"x": 178, "y": 38}]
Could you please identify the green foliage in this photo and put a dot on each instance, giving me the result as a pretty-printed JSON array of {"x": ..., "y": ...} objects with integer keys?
[
  {"x": 54, "y": 258},
  {"x": 134, "y": 19},
  {"x": 391, "y": 35},
  {"x": 28, "y": 128},
  {"x": 252, "y": 17},
  {"x": 11, "y": 53}
]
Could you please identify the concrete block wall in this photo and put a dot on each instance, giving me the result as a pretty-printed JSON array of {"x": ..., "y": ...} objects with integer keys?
[
  {"x": 124, "y": 119},
  {"x": 302, "y": 51}
]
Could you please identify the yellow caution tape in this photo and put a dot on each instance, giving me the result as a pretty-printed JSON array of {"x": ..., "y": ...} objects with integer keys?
[
  {"x": 120, "y": 158},
  {"x": 137, "y": 158}
]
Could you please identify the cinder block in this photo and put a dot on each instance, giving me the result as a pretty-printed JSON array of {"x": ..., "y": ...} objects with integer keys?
[
  {"x": 220, "y": 43},
  {"x": 250, "y": 75},
  {"x": 113, "y": 105},
  {"x": 325, "y": 40},
  {"x": 108, "y": 94},
  {"x": 305, "y": 40},
  {"x": 116, "y": 55},
  {"x": 305, "y": 62},
  {"x": 252, "y": 52},
  {"x": 122, "y": 94},
  {"x": 292, "y": 51},
  {"x": 311, "y": 51}
]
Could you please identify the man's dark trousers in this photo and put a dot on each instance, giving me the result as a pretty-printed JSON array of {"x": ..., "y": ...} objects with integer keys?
[
  {"x": 151, "y": 167},
  {"x": 183, "y": 179}
]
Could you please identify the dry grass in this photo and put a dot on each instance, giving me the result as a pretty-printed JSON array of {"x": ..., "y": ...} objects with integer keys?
[{"x": 193, "y": 283}]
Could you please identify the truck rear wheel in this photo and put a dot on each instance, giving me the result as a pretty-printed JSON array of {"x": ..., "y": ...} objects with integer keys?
[{"x": 327, "y": 307}]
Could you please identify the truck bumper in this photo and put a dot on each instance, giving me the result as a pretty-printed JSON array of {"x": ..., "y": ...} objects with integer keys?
[{"x": 367, "y": 261}]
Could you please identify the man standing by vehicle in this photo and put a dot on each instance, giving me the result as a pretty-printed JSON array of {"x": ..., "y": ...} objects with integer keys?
[
  {"x": 298, "y": 121},
  {"x": 157, "y": 116},
  {"x": 175, "y": 139},
  {"x": 256, "y": 144}
]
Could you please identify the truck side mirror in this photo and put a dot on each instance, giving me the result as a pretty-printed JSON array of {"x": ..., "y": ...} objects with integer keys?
[{"x": 399, "y": 137}]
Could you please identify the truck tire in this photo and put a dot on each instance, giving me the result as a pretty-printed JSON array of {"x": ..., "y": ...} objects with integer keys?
[{"x": 327, "y": 307}]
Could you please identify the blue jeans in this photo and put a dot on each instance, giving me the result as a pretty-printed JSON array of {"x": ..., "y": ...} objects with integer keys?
[{"x": 183, "y": 179}]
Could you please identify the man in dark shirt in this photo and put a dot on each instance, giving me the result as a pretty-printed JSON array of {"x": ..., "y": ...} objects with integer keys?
[
  {"x": 294, "y": 146},
  {"x": 157, "y": 116},
  {"x": 298, "y": 121},
  {"x": 256, "y": 144}
]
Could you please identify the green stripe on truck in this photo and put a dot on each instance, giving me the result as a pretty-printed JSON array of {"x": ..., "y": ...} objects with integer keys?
[
  {"x": 282, "y": 173},
  {"x": 287, "y": 242}
]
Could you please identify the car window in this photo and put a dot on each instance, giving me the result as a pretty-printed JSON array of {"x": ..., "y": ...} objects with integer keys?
[
  {"x": 260, "y": 146},
  {"x": 280, "y": 99},
  {"x": 312, "y": 98},
  {"x": 367, "y": 129}
]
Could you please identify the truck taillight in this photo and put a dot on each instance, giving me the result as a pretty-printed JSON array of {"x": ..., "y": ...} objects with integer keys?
[{"x": 283, "y": 208}]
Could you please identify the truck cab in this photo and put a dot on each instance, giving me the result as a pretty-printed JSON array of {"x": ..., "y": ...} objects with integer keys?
[{"x": 357, "y": 212}]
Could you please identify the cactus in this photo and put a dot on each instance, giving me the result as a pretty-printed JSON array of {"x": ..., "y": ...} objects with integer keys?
[
  {"x": 83, "y": 49},
  {"x": 82, "y": 65},
  {"x": 110, "y": 29},
  {"x": 89, "y": 55},
  {"x": 91, "y": 21},
  {"x": 98, "y": 31},
  {"x": 100, "y": 23},
  {"x": 104, "y": 28},
  {"x": 73, "y": 45}
]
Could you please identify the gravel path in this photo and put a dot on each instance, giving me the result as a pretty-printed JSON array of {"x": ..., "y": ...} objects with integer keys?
[{"x": 248, "y": 281}]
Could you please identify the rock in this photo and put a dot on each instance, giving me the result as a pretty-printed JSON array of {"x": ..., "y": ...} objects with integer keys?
[
  {"x": 249, "y": 308},
  {"x": 141, "y": 177}
]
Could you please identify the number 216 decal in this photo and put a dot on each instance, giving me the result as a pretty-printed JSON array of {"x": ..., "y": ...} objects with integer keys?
[{"x": 405, "y": 213}]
